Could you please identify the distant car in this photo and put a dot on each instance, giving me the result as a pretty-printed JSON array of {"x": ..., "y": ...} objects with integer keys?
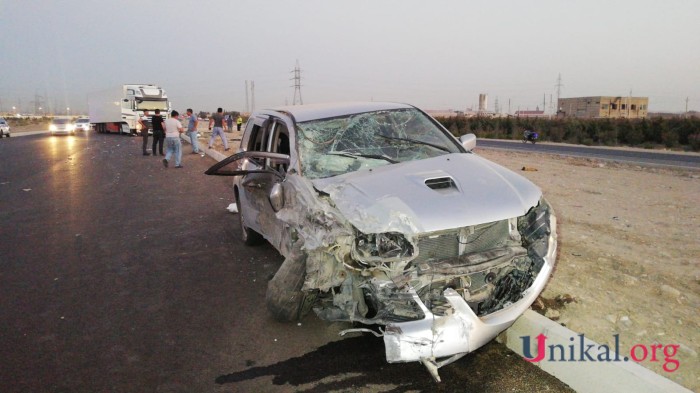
[
  {"x": 62, "y": 126},
  {"x": 82, "y": 124},
  {"x": 4, "y": 128},
  {"x": 385, "y": 218}
]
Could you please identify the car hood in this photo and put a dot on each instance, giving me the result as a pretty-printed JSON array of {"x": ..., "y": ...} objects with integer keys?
[{"x": 449, "y": 191}]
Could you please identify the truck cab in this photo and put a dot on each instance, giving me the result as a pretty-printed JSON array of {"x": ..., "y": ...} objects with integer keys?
[{"x": 118, "y": 109}]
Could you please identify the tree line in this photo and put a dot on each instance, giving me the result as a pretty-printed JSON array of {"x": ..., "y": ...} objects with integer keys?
[{"x": 680, "y": 133}]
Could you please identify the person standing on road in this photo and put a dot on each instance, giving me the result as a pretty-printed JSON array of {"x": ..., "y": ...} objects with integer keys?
[
  {"x": 158, "y": 132},
  {"x": 217, "y": 119},
  {"x": 229, "y": 121},
  {"x": 144, "y": 120},
  {"x": 192, "y": 123},
  {"x": 173, "y": 129},
  {"x": 239, "y": 121}
]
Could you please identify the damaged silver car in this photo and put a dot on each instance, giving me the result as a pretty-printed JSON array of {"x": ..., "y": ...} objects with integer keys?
[{"x": 383, "y": 217}]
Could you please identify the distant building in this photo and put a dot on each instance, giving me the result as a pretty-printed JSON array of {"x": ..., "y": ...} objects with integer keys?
[
  {"x": 483, "y": 102},
  {"x": 536, "y": 113},
  {"x": 603, "y": 107},
  {"x": 444, "y": 113}
]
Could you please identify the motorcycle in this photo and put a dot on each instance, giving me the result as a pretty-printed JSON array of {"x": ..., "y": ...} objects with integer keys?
[{"x": 530, "y": 136}]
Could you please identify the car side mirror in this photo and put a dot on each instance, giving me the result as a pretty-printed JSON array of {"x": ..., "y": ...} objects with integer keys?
[
  {"x": 468, "y": 141},
  {"x": 277, "y": 197}
]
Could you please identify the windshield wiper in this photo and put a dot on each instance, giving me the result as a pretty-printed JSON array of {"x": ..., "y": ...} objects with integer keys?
[
  {"x": 357, "y": 155},
  {"x": 439, "y": 147}
]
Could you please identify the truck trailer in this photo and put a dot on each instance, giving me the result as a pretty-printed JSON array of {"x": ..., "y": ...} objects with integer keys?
[{"x": 119, "y": 108}]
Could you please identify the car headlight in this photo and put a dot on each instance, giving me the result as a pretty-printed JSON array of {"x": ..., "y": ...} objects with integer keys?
[
  {"x": 376, "y": 248},
  {"x": 534, "y": 227},
  {"x": 52, "y": 127},
  {"x": 70, "y": 127}
]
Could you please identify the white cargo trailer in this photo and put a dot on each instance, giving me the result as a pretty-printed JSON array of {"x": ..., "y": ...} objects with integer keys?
[{"x": 119, "y": 108}]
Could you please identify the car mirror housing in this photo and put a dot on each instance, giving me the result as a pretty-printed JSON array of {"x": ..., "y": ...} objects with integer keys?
[
  {"x": 468, "y": 141},
  {"x": 277, "y": 197}
]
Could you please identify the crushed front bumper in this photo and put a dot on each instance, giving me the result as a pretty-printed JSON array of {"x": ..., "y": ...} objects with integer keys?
[{"x": 454, "y": 335}]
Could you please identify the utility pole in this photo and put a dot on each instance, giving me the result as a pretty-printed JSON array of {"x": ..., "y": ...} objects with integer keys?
[
  {"x": 247, "y": 102},
  {"x": 509, "y": 106},
  {"x": 629, "y": 99},
  {"x": 686, "y": 106},
  {"x": 544, "y": 102},
  {"x": 38, "y": 103},
  {"x": 496, "y": 108},
  {"x": 252, "y": 96},
  {"x": 559, "y": 85},
  {"x": 297, "y": 84},
  {"x": 551, "y": 105}
]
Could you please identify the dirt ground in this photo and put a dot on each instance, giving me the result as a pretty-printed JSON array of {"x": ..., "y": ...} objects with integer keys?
[{"x": 629, "y": 244}]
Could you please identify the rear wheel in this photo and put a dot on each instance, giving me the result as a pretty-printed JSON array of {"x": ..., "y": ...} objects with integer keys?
[
  {"x": 249, "y": 236},
  {"x": 284, "y": 299}
]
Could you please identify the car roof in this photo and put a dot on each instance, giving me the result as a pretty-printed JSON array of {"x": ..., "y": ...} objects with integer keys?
[{"x": 303, "y": 113}]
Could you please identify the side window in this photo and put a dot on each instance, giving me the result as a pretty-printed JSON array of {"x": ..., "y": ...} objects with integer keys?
[
  {"x": 280, "y": 140},
  {"x": 279, "y": 143},
  {"x": 255, "y": 135},
  {"x": 255, "y": 140}
]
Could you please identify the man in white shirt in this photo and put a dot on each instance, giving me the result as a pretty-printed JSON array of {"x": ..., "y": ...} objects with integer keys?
[{"x": 173, "y": 129}]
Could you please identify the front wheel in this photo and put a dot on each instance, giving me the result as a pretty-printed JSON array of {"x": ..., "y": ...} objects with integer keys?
[{"x": 284, "y": 299}]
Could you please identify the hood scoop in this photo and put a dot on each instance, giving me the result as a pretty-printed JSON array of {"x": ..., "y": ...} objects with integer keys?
[{"x": 442, "y": 184}]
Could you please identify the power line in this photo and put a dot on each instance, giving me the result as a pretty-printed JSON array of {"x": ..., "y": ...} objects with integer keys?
[
  {"x": 297, "y": 84},
  {"x": 559, "y": 85}
]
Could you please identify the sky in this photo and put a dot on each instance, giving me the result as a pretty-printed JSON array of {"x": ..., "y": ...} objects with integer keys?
[{"x": 437, "y": 55}]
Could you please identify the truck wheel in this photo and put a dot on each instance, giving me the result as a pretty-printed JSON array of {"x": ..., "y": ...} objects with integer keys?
[{"x": 284, "y": 299}]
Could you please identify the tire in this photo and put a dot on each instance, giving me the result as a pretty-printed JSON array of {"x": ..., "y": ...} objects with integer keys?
[
  {"x": 284, "y": 299},
  {"x": 248, "y": 236}
]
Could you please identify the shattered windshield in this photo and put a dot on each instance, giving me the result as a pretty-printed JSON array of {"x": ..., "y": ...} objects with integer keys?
[{"x": 331, "y": 147}]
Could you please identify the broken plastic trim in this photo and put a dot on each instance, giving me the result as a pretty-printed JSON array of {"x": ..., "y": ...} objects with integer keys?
[
  {"x": 361, "y": 330},
  {"x": 375, "y": 248}
]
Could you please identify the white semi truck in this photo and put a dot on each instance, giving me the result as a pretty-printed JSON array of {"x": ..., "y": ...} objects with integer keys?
[{"x": 119, "y": 108}]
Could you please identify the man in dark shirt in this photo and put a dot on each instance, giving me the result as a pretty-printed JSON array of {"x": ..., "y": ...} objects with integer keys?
[
  {"x": 158, "y": 132},
  {"x": 217, "y": 120}
]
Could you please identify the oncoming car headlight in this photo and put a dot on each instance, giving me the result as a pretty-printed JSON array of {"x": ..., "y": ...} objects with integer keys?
[
  {"x": 376, "y": 248},
  {"x": 52, "y": 128}
]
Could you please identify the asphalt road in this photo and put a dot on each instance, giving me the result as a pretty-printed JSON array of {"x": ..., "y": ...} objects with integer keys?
[
  {"x": 118, "y": 275},
  {"x": 640, "y": 157}
]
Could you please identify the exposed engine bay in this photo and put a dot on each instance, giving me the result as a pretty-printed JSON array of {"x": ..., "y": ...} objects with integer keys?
[{"x": 396, "y": 279}]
